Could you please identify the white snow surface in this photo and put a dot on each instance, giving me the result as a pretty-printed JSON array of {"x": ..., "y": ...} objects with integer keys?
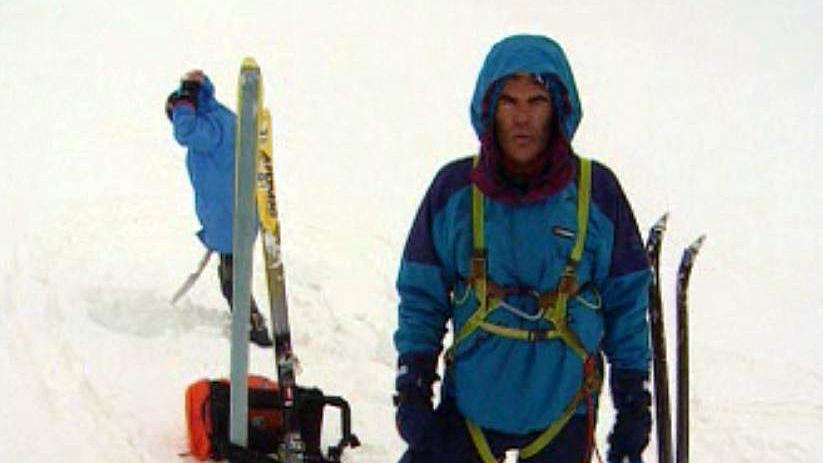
[{"x": 710, "y": 110}]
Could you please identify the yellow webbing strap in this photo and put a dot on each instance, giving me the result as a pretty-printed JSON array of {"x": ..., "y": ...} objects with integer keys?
[
  {"x": 539, "y": 443},
  {"x": 519, "y": 334},
  {"x": 561, "y": 332},
  {"x": 550, "y": 433},
  {"x": 573, "y": 342},
  {"x": 558, "y": 315},
  {"x": 591, "y": 383},
  {"x": 478, "y": 235},
  {"x": 480, "y": 443},
  {"x": 472, "y": 323},
  {"x": 584, "y": 186},
  {"x": 477, "y": 268}
]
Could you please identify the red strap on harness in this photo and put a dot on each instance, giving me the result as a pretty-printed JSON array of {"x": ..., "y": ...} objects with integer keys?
[{"x": 589, "y": 372}]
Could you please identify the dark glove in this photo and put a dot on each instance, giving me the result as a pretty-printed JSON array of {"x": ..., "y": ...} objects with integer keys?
[
  {"x": 415, "y": 418},
  {"x": 633, "y": 424},
  {"x": 187, "y": 93}
]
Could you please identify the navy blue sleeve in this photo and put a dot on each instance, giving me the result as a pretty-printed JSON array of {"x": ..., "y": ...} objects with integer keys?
[
  {"x": 423, "y": 283},
  {"x": 625, "y": 290},
  {"x": 628, "y": 253}
]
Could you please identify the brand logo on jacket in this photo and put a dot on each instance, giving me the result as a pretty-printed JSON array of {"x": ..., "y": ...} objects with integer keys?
[{"x": 563, "y": 232}]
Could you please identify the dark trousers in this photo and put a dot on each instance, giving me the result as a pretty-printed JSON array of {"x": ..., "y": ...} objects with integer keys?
[
  {"x": 225, "y": 272},
  {"x": 456, "y": 446}
]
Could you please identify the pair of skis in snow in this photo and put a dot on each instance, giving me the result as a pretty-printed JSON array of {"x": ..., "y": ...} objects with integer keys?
[
  {"x": 255, "y": 192},
  {"x": 654, "y": 242},
  {"x": 255, "y": 118}
]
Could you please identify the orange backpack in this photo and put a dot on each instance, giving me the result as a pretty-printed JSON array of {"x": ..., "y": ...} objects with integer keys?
[
  {"x": 207, "y": 417},
  {"x": 207, "y": 422}
]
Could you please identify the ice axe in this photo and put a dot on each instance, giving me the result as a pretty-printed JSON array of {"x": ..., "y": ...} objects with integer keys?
[{"x": 192, "y": 278}]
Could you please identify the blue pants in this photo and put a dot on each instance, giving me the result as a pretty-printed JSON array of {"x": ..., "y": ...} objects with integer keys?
[{"x": 456, "y": 446}]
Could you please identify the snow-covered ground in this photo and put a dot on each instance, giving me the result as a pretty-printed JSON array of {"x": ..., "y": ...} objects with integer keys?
[{"x": 710, "y": 110}]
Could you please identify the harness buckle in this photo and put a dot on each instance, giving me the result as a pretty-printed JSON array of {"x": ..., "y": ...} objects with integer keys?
[
  {"x": 477, "y": 267},
  {"x": 568, "y": 281},
  {"x": 538, "y": 335},
  {"x": 547, "y": 299}
]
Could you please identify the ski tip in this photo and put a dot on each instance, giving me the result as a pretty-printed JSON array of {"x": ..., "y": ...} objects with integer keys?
[
  {"x": 249, "y": 64},
  {"x": 695, "y": 246},
  {"x": 661, "y": 222}
]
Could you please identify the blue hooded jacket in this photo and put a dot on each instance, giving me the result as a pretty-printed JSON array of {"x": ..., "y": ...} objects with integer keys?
[
  {"x": 503, "y": 384},
  {"x": 208, "y": 132}
]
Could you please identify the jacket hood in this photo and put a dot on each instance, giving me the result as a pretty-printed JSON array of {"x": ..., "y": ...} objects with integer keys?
[
  {"x": 532, "y": 54},
  {"x": 206, "y": 97}
]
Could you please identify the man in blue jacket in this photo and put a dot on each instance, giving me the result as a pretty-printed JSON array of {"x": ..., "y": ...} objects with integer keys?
[
  {"x": 207, "y": 129},
  {"x": 533, "y": 254}
]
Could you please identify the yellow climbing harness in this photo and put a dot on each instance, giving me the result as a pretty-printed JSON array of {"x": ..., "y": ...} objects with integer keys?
[{"x": 552, "y": 304}]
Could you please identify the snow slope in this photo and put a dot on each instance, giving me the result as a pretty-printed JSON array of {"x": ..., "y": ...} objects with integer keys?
[{"x": 710, "y": 110}]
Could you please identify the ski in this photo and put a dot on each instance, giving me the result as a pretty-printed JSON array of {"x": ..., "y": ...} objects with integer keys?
[
  {"x": 662, "y": 404},
  {"x": 683, "y": 274},
  {"x": 293, "y": 447},
  {"x": 243, "y": 236}
]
